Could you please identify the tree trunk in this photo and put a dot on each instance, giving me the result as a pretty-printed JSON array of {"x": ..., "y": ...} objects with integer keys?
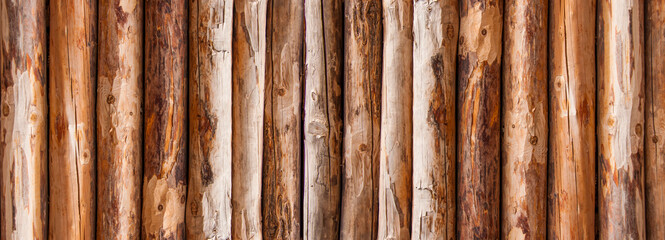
[
  {"x": 249, "y": 58},
  {"x": 621, "y": 119},
  {"x": 72, "y": 87},
  {"x": 572, "y": 89},
  {"x": 478, "y": 96},
  {"x": 524, "y": 114},
  {"x": 323, "y": 118},
  {"x": 363, "y": 44},
  {"x": 435, "y": 27},
  {"x": 281, "y": 193},
  {"x": 165, "y": 174},
  {"x": 24, "y": 177}
]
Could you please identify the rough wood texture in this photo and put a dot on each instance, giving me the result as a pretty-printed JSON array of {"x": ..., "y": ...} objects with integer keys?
[
  {"x": 395, "y": 183},
  {"x": 435, "y": 28},
  {"x": 72, "y": 87},
  {"x": 249, "y": 58},
  {"x": 478, "y": 98},
  {"x": 323, "y": 118},
  {"x": 524, "y": 119},
  {"x": 363, "y": 44},
  {"x": 572, "y": 139},
  {"x": 209, "y": 187},
  {"x": 165, "y": 163},
  {"x": 281, "y": 192},
  {"x": 620, "y": 119},
  {"x": 23, "y": 143}
]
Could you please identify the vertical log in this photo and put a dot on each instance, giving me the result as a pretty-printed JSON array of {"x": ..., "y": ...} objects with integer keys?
[
  {"x": 435, "y": 29},
  {"x": 249, "y": 58},
  {"x": 281, "y": 192},
  {"x": 572, "y": 143},
  {"x": 524, "y": 114},
  {"x": 23, "y": 144},
  {"x": 72, "y": 86},
  {"x": 621, "y": 119},
  {"x": 323, "y": 118},
  {"x": 478, "y": 98},
  {"x": 363, "y": 44},
  {"x": 165, "y": 174}
]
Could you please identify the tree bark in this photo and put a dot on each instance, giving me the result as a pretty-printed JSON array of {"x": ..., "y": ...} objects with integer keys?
[
  {"x": 249, "y": 68},
  {"x": 572, "y": 143},
  {"x": 281, "y": 192},
  {"x": 72, "y": 148},
  {"x": 621, "y": 119},
  {"x": 435, "y": 28},
  {"x": 165, "y": 174},
  {"x": 23, "y": 146},
  {"x": 323, "y": 118},
  {"x": 478, "y": 96},
  {"x": 363, "y": 44},
  {"x": 524, "y": 143}
]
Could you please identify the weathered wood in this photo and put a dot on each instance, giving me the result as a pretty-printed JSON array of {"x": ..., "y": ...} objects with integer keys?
[
  {"x": 165, "y": 163},
  {"x": 620, "y": 119},
  {"x": 524, "y": 119},
  {"x": 281, "y": 192},
  {"x": 435, "y": 29},
  {"x": 23, "y": 145},
  {"x": 249, "y": 58},
  {"x": 478, "y": 135},
  {"x": 572, "y": 139},
  {"x": 323, "y": 118},
  {"x": 363, "y": 44},
  {"x": 72, "y": 148}
]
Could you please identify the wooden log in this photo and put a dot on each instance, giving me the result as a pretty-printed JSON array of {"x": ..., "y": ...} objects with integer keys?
[
  {"x": 620, "y": 119},
  {"x": 572, "y": 143},
  {"x": 72, "y": 87},
  {"x": 281, "y": 192},
  {"x": 24, "y": 142},
  {"x": 435, "y": 29},
  {"x": 478, "y": 98},
  {"x": 524, "y": 118},
  {"x": 363, "y": 44},
  {"x": 165, "y": 163},
  {"x": 323, "y": 119},
  {"x": 249, "y": 65}
]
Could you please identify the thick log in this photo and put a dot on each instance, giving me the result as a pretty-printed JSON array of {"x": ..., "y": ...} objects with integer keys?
[
  {"x": 363, "y": 44},
  {"x": 120, "y": 119},
  {"x": 72, "y": 87},
  {"x": 323, "y": 118},
  {"x": 249, "y": 58},
  {"x": 572, "y": 143},
  {"x": 208, "y": 213},
  {"x": 165, "y": 163},
  {"x": 478, "y": 135},
  {"x": 435, "y": 29},
  {"x": 620, "y": 119},
  {"x": 281, "y": 192},
  {"x": 524, "y": 119},
  {"x": 23, "y": 144}
]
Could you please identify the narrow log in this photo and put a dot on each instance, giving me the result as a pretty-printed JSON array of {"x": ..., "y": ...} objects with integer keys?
[
  {"x": 524, "y": 119},
  {"x": 363, "y": 44},
  {"x": 249, "y": 69},
  {"x": 323, "y": 118},
  {"x": 621, "y": 119},
  {"x": 72, "y": 148},
  {"x": 478, "y": 135},
  {"x": 23, "y": 145},
  {"x": 281, "y": 192},
  {"x": 572, "y": 143},
  {"x": 435, "y": 29},
  {"x": 165, "y": 163}
]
